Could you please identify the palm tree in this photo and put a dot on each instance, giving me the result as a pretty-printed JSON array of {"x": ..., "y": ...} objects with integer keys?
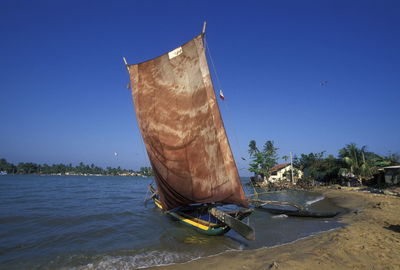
[
  {"x": 262, "y": 161},
  {"x": 355, "y": 159},
  {"x": 253, "y": 150}
]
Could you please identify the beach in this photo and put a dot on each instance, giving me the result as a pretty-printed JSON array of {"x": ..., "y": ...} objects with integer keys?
[{"x": 371, "y": 240}]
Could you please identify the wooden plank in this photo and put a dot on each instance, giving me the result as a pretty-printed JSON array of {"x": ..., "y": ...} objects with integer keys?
[
  {"x": 238, "y": 226},
  {"x": 260, "y": 203}
]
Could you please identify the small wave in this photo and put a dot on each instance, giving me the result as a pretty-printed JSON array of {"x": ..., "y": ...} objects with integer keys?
[
  {"x": 310, "y": 202},
  {"x": 280, "y": 216},
  {"x": 143, "y": 260}
]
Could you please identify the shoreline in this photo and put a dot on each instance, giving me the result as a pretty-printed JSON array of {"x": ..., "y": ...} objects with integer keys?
[
  {"x": 74, "y": 174},
  {"x": 371, "y": 240}
]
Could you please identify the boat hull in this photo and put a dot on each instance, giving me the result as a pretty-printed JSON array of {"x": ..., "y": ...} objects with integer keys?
[
  {"x": 204, "y": 223},
  {"x": 199, "y": 216}
]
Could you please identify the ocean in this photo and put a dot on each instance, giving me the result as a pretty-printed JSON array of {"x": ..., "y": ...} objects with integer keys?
[{"x": 101, "y": 222}]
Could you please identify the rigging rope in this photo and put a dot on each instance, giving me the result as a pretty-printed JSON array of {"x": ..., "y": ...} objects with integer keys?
[
  {"x": 225, "y": 102},
  {"x": 142, "y": 146}
]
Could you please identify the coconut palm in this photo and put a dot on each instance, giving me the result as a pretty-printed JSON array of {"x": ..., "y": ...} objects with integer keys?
[
  {"x": 262, "y": 161},
  {"x": 357, "y": 165},
  {"x": 253, "y": 150}
]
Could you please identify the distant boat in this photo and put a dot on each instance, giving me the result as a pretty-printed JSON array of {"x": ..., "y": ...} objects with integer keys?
[
  {"x": 182, "y": 129},
  {"x": 3, "y": 173}
]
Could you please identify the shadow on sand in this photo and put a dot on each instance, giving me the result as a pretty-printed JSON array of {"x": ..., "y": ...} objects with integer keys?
[{"x": 394, "y": 228}]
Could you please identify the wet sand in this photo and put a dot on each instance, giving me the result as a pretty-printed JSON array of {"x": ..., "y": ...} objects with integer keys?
[{"x": 370, "y": 241}]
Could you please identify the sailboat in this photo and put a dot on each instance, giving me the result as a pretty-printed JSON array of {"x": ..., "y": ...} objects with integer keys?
[{"x": 186, "y": 142}]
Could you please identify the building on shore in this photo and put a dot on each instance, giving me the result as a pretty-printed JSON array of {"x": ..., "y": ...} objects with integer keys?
[
  {"x": 389, "y": 175},
  {"x": 283, "y": 172}
]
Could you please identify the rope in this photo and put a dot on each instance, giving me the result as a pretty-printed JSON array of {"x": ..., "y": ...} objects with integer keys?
[
  {"x": 212, "y": 63},
  {"x": 225, "y": 102},
  {"x": 146, "y": 196}
]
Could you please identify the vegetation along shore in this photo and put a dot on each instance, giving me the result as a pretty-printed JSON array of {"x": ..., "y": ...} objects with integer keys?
[
  {"x": 352, "y": 166},
  {"x": 69, "y": 169}
]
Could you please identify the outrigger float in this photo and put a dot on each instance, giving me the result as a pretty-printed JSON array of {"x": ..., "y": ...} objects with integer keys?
[
  {"x": 283, "y": 207},
  {"x": 296, "y": 210}
]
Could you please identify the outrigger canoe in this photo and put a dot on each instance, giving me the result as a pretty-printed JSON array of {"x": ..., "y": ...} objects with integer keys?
[{"x": 199, "y": 217}]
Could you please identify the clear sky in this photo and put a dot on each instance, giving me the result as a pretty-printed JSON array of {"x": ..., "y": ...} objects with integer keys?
[{"x": 63, "y": 95}]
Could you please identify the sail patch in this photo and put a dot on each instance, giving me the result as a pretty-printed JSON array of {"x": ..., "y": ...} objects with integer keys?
[{"x": 175, "y": 53}]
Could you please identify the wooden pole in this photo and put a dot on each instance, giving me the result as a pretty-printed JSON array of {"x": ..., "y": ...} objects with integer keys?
[
  {"x": 239, "y": 226},
  {"x": 291, "y": 166},
  {"x": 259, "y": 203},
  {"x": 127, "y": 68},
  {"x": 204, "y": 28},
  {"x": 261, "y": 193},
  {"x": 126, "y": 64}
]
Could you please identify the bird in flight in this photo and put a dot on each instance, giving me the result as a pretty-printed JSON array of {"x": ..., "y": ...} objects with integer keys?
[{"x": 323, "y": 83}]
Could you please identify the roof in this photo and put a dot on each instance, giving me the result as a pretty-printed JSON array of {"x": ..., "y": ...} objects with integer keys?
[{"x": 279, "y": 167}]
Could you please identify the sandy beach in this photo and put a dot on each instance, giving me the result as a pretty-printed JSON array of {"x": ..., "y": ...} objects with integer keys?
[{"x": 370, "y": 241}]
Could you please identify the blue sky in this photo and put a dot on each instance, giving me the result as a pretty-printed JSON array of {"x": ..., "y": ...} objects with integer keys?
[{"x": 63, "y": 84}]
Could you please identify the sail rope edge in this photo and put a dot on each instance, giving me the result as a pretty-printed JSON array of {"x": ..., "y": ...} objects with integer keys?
[{"x": 225, "y": 102}]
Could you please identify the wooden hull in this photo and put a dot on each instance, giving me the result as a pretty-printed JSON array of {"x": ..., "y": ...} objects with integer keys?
[
  {"x": 199, "y": 217},
  {"x": 203, "y": 223}
]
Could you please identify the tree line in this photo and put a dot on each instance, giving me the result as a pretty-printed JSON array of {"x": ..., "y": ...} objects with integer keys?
[
  {"x": 80, "y": 169},
  {"x": 352, "y": 162}
]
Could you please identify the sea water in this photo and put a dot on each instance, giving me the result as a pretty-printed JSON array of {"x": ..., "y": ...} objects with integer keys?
[{"x": 101, "y": 222}]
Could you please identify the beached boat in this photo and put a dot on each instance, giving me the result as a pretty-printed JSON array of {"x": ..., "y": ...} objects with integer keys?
[
  {"x": 199, "y": 218},
  {"x": 182, "y": 129}
]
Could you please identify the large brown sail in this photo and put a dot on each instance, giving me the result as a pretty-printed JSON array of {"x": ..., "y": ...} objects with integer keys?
[{"x": 182, "y": 129}]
